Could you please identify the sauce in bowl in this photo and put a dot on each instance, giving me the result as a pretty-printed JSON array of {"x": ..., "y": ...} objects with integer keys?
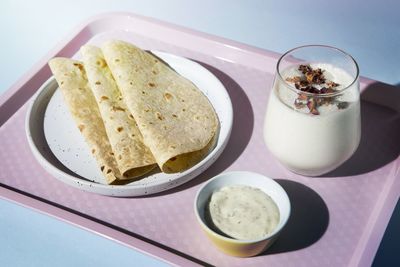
[{"x": 242, "y": 212}]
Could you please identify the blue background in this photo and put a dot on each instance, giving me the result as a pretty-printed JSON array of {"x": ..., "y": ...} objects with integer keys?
[{"x": 369, "y": 30}]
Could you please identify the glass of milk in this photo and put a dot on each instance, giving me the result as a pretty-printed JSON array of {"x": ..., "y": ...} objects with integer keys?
[{"x": 312, "y": 124}]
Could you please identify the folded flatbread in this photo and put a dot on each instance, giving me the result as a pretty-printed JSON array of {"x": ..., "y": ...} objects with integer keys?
[
  {"x": 71, "y": 77},
  {"x": 133, "y": 157},
  {"x": 177, "y": 121}
]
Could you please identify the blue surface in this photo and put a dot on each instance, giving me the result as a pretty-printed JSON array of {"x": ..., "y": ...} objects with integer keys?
[
  {"x": 369, "y": 30},
  {"x": 29, "y": 238}
]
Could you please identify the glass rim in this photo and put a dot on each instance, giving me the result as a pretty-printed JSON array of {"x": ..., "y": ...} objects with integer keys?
[{"x": 298, "y": 91}]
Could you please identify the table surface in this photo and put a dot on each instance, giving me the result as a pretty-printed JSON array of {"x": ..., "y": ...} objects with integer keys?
[{"x": 369, "y": 30}]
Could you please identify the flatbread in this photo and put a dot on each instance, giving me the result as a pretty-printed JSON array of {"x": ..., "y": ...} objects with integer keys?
[
  {"x": 71, "y": 78},
  {"x": 133, "y": 157},
  {"x": 177, "y": 121}
]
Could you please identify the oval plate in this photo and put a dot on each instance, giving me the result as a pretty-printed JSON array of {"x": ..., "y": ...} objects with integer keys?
[{"x": 60, "y": 148}]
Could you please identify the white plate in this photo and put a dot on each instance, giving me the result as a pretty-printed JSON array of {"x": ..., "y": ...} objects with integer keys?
[{"x": 51, "y": 132}]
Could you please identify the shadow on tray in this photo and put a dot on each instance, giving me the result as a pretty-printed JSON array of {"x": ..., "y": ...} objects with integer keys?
[
  {"x": 380, "y": 136},
  {"x": 308, "y": 220},
  {"x": 242, "y": 129},
  {"x": 243, "y": 122}
]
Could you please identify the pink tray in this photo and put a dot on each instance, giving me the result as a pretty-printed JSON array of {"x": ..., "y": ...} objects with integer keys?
[{"x": 336, "y": 220}]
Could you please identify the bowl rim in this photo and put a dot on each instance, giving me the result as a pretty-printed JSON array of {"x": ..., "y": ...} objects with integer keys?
[{"x": 274, "y": 233}]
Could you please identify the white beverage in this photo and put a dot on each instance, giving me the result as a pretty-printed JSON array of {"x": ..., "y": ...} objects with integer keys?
[{"x": 313, "y": 144}]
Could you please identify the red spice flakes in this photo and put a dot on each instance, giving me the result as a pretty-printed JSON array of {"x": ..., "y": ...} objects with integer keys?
[
  {"x": 342, "y": 105},
  {"x": 315, "y": 76},
  {"x": 313, "y": 81},
  {"x": 312, "y": 106},
  {"x": 305, "y": 68},
  {"x": 332, "y": 84},
  {"x": 311, "y": 77},
  {"x": 300, "y": 101},
  {"x": 294, "y": 79},
  {"x": 326, "y": 90}
]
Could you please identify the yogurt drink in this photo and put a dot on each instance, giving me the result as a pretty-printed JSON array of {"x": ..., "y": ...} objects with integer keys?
[{"x": 313, "y": 127}]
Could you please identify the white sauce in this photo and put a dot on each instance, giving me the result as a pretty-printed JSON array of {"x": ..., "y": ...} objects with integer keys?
[{"x": 243, "y": 212}]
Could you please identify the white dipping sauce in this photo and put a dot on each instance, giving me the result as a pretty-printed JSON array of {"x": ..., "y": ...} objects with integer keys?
[{"x": 243, "y": 212}]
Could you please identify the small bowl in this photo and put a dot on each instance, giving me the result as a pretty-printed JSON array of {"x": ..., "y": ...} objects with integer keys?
[{"x": 235, "y": 247}]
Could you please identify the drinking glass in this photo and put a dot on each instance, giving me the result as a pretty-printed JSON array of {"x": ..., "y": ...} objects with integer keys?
[{"x": 312, "y": 123}]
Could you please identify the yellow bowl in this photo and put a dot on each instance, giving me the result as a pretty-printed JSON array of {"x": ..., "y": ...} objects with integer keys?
[{"x": 235, "y": 247}]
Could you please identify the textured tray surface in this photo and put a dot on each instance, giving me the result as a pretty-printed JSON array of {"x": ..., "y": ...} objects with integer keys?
[{"x": 336, "y": 220}]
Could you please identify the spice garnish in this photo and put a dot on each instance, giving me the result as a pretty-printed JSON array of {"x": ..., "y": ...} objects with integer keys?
[
  {"x": 342, "y": 105},
  {"x": 313, "y": 81},
  {"x": 312, "y": 106}
]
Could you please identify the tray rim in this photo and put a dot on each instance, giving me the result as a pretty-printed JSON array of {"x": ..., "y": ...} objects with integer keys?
[
  {"x": 41, "y": 65},
  {"x": 28, "y": 75},
  {"x": 94, "y": 227},
  {"x": 360, "y": 257}
]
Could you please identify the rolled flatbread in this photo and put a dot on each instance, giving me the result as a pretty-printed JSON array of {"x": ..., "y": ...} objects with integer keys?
[
  {"x": 133, "y": 157},
  {"x": 177, "y": 121},
  {"x": 71, "y": 78}
]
